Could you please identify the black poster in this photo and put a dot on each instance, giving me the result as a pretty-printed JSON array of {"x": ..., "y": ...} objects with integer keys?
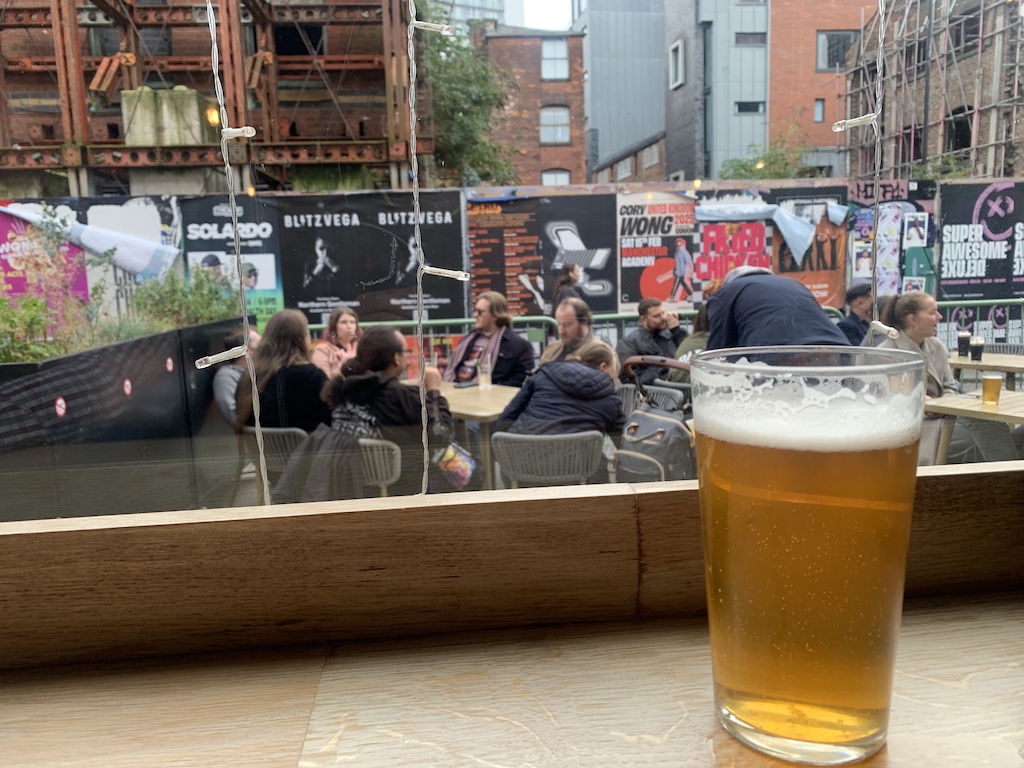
[
  {"x": 519, "y": 245},
  {"x": 358, "y": 250}
]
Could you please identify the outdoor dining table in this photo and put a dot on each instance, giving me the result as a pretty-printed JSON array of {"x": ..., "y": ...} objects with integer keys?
[
  {"x": 1010, "y": 411},
  {"x": 483, "y": 406},
  {"x": 990, "y": 361}
]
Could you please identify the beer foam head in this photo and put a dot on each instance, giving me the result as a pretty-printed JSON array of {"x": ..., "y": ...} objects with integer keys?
[{"x": 843, "y": 413}]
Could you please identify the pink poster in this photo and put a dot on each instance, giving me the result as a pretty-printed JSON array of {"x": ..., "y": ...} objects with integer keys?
[{"x": 30, "y": 266}]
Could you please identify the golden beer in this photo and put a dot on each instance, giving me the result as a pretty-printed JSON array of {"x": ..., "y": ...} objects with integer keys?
[
  {"x": 991, "y": 384},
  {"x": 805, "y": 527}
]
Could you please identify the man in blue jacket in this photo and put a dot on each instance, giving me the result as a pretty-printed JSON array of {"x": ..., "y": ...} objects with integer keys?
[{"x": 755, "y": 308}]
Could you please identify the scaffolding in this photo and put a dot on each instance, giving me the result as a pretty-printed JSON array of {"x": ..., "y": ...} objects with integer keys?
[
  {"x": 951, "y": 85},
  {"x": 325, "y": 82}
]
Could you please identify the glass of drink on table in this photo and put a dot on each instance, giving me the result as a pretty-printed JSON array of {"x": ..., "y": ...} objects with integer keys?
[
  {"x": 977, "y": 347},
  {"x": 991, "y": 385},
  {"x": 807, "y": 461},
  {"x": 963, "y": 343},
  {"x": 484, "y": 371}
]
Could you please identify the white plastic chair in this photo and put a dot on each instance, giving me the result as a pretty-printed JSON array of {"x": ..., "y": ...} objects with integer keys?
[
  {"x": 382, "y": 463},
  {"x": 548, "y": 459},
  {"x": 278, "y": 444}
]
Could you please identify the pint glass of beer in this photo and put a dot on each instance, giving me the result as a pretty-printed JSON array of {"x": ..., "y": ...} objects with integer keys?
[
  {"x": 807, "y": 460},
  {"x": 963, "y": 343},
  {"x": 991, "y": 384}
]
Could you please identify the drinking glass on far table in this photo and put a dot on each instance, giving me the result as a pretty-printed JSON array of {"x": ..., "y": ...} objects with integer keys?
[
  {"x": 991, "y": 386},
  {"x": 483, "y": 372},
  {"x": 807, "y": 461}
]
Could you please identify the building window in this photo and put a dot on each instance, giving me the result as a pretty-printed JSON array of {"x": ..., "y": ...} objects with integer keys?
[
  {"x": 676, "y": 65},
  {"x": 958, "y": 129},
  {"x": 751, "y": 38},
  {"x": 554, "y": 125},
  {"x": 677, "y": 176},
  {"x": 624, "y": 169},
  {"x": 964, "y": 30},
  {"x": 604, "y": 176},
  {"x": 819, "y": 110},
  {"x": 651, "y": 155},
  {"x": 554, "y": 60},
  {"x": 291, "y": 41},
  {"x": 556, "y": 176},
  {"x": 749, "y": 107},
  {"x": 911, "y": 150},
  {"x": 832, "y": 48}
]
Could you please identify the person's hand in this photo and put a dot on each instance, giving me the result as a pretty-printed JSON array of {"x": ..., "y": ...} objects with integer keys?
[
  {"x": 431, "y": 378},
  {"x": 673, "y": 319}
]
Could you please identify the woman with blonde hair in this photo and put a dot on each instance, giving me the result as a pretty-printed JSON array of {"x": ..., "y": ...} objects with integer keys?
[
  {"x": 287, "y": 381},
  {"x": 916, "y": 316},
  {"x": 338, "y": 342}
]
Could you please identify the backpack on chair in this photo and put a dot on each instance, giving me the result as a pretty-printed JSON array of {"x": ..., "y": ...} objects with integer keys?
[{"x": 656, "y": 443}]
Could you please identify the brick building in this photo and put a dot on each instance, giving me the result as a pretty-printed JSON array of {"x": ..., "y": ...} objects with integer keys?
[
  {"x": 543, "y": 122},
  {"x": 108, "y": 97},
  {"x": 644, "y": 161},
  {"x": 807, "y": 52},
  {"x": 951, "y": 91}
]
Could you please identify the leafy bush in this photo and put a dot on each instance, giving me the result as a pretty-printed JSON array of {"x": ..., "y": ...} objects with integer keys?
[
  {"x": 176, "y": 302},
  {"x": 23, "y": 330}
]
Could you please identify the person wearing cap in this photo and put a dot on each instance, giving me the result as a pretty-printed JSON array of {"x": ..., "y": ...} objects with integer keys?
[
  {"x": 249, "y": 275},
  {"x": 855, "y": 325},
  {"x": 755, "y": 308},
  {"x": 212, "y": 263}
]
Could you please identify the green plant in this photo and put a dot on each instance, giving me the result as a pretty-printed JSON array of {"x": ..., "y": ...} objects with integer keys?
[
  {"x": 943, "y": 167},
  {"x": 23, "y": 330},
  {"x": 466, "y": 90},
  {"x": 783, "y": 158},
  {"x": 178, "y": 302}
]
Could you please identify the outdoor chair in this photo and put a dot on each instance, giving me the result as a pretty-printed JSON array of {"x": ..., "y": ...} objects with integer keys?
[
  {"x": 548, "y": 459},
  {"x": 278, "y": 444},
  {"x": 382, "y": 463},
  {"x": 669, "y": 395}
]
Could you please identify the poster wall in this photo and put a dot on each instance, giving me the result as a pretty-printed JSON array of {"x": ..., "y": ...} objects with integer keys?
[
  {"x": 981, "y": 256},
  {"x": 33, "y": 267},
  {"x": 518, "y": 246},
  {"x": 823, "y": 268},
  {"x": 656, "y": 249},
  {"x": 209, "y": 243},
  {"x": 358, "y": 250}
]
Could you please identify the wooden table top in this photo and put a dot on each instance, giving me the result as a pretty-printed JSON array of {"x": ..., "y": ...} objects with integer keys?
[
  {"x": 617, "y": 694},
  {"x": 475, "y": 404},
  {"x": 990, "y": 361},
  {"x": 1010, "y": 409}
]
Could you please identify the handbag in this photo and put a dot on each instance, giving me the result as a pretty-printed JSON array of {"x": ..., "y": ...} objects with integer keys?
[{"x": 456, "y": 464}]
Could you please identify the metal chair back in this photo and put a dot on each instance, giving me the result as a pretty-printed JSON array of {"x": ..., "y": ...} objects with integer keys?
[
  {"x": 548, "y": 459},
  {"x": 382, "y": 463}
]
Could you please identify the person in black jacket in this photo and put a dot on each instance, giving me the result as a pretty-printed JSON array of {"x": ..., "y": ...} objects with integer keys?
[
  {"x": 369, "y": 400},
  {"x": 287, "y": 381},
  {"x": 659, "y": 334},
  {"x": 755, "y": 307},
  {"x": 565, "y": 286},
  {"x": 855, "y": 325},
  {"x": 492, "y": 337},
  {"x": 567, "y": 396}
]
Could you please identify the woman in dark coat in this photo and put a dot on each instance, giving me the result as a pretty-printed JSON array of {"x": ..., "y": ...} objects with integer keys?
[
  {"x": 572, "y": 395},
  {"x": 369, "y": 400}
]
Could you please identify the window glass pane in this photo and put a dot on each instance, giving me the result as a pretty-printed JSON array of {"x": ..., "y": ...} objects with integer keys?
[
  {"x": 554, "y": 125},
  {"x": 749, "y": 107},
  {"x": 819, "y": 110},
  {"x": 751, "y": 38},
  {"x": 555, "y": 60},
  {"x": 555, "y": 177},
  {"x": 832, "y": 49}
]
